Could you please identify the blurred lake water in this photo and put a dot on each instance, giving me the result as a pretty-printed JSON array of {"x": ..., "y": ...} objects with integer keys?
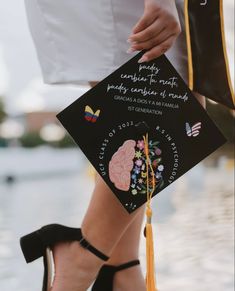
[{"x": 193, "y": 218}]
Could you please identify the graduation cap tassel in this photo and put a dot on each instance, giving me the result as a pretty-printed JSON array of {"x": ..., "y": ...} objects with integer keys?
[{"x": 150, "y": 274}]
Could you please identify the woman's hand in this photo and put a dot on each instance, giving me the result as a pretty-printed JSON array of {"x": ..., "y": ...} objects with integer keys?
[{"x": 156, "y": 30}]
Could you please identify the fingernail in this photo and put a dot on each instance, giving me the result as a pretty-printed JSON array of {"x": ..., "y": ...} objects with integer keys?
[
  {"x": 131, "y": 41},
  {"x": 143, "y": 59},
  {"x": 130, "y": 50}
]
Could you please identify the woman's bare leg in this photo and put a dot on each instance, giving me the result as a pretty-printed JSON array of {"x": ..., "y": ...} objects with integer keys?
[
  {"x": 103, "y": 225},
  {"x": 106, "y": 220},
  {"x": 76, "y": 267},
  {"x": 126, "y": 250}
]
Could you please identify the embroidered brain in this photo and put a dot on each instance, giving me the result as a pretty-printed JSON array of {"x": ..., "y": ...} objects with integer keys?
[{"x": 121, "y": 165}]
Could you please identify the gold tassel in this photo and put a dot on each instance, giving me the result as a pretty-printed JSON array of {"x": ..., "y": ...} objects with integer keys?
[
  {"x": 189, "y": 46},
  {"x": 150, "y": 265}
]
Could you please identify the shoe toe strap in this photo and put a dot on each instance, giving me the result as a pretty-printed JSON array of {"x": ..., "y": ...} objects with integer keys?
[{"x": 127, "y": 265}]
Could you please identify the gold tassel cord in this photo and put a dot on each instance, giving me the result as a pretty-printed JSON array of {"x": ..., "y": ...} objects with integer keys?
[
  {"x": 189, "y": 46},
  {"x": 150, "y": 265}
]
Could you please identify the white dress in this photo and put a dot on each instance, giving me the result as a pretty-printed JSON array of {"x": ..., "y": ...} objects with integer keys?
[{"x": 85, "y": 40}]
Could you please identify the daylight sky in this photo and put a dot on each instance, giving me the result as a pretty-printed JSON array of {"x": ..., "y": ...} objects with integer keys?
[{"x": 20, "y": 78}]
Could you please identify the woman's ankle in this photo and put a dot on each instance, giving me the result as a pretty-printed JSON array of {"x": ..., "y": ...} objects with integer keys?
[
  {"x": 73, "y": 263},
  {"x": 129, "y": 279}
]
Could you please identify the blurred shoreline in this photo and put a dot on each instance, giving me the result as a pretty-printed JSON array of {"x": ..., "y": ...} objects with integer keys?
[{"x": 193, "y": 217}]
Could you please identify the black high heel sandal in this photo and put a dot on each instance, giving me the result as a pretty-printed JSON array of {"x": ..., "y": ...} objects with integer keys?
[
  {"x": 104, "y": 280},
  {"x": 40, "y": 242}
]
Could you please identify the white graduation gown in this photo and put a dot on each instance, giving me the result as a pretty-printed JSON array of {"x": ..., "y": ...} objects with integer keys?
[{"x": 81, "y": 40}]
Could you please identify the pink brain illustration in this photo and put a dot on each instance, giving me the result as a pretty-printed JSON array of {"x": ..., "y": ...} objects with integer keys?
[{"x": 121, "y": 164}]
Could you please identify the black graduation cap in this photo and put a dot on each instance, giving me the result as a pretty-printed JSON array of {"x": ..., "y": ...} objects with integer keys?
[
  {"x": 208, "y": 62},
  {"x": 111, "y": 121}
]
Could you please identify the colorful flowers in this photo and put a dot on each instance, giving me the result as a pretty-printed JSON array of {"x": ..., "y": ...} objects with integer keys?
[
  {"x": 158, "y": 175},
  {"x": 139, "y": 162},
  {"x": 128, "y": 169},
  {"x": 158, "y": 151},
  {"x": 138, "y": 154},
  {"x": 140, "y": 144},
  {"x": 160, "y": 168},
  {"x": 134, "y": 192},
  {"x": 133, "y": 177},
  {"x": 136, "y": 170},
  {"x": 139, "y": 173}
]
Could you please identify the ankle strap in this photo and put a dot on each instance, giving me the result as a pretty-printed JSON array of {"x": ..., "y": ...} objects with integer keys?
[
  {"x": 127, "y": 265},
  {"x": 86, "y": 245}
]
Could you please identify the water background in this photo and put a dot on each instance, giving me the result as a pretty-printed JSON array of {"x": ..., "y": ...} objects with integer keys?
[{"x": 193, "y": 218}]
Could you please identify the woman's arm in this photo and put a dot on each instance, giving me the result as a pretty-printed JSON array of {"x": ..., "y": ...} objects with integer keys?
[{"x": 156, "y": 30}]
